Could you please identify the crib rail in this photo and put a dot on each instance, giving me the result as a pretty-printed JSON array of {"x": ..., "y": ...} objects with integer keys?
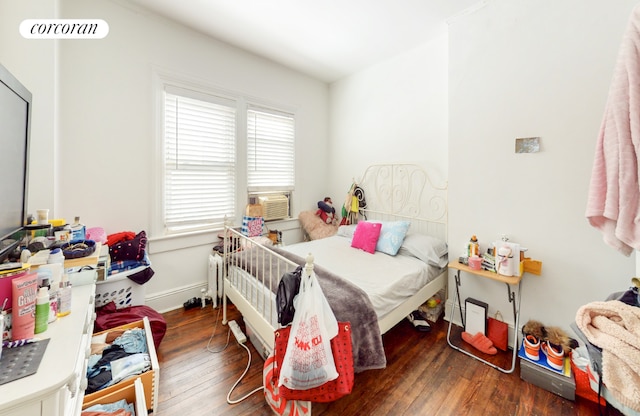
[{"x": 252, "y": 273}]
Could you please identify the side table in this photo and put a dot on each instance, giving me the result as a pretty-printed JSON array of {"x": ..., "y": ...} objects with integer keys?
[{"x": 511, "y": 282}]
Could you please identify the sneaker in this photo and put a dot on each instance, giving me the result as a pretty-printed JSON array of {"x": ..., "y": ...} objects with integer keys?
[
  {"x": 532, "y": 347},
  {"x": 555, "y": 355},
  {"x": 418, "y": 321}
]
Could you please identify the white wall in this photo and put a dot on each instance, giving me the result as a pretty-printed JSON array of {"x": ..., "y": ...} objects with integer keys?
[
  {"x": 106, "y": 125},
  {"x": 34, "y": 64},
  {"x": 394, "y": 111},
  {"x": 522, "y": 68}
]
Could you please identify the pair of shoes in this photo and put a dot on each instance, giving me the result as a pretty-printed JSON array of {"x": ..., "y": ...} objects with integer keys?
[
  {"x": 418, "y": 321},
  {"x": 192, "y": 303},
  {"x": 480, "y": 342}
]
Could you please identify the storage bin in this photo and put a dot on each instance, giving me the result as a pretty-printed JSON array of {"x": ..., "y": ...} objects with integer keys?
[
  {"x": 132, "y": 393},
  {"x": 121, "y": 290},
  {"x": 149, "y": 379},
  {"x": 549, "y": 380}
]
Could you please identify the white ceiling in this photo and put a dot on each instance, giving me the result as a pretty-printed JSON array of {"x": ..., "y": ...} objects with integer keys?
[{"x": 326, "y": 39}]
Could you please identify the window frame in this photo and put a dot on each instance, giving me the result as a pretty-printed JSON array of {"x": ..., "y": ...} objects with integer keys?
[{"x": 244, "y": 102}]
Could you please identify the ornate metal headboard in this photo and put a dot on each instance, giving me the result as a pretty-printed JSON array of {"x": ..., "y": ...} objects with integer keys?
[{"x": 406, "y": 191}]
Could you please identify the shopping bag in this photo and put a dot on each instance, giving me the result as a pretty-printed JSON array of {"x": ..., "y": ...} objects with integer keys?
[
  {"x": 279, "y": 404},
  {"x": 308, "y": 361},
  {"x": 498, "y": 331},
  {"x": 342, "y": 352},
  {"x": 252, "y": 226}
]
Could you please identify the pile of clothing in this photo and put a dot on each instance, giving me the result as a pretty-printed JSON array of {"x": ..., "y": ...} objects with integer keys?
[
  {"x": 119, "y": 408},
  {"x": 116, "y": 355},
  {"x": 128, "y": 253}
]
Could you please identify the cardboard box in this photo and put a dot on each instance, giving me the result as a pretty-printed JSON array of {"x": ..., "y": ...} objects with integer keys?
[
  {"x": 149, "y": 379},
  {"x": 549, "y": 380}
]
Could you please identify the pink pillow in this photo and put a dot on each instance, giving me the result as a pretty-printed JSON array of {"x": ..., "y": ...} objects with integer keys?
[{"x": 366, "y": 236}]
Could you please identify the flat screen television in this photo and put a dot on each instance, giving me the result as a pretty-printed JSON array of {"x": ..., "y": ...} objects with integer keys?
[{"x": 15, "y": 123}]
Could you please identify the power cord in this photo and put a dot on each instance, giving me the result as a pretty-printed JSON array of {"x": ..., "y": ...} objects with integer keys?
[
  {"x": 240, "y": 379},
  {"x": 242, "y": 339},
  {"x": 215, "y": 327}
]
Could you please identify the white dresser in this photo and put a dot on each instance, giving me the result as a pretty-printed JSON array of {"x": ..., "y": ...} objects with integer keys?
[{"x": 57, "y": 389}]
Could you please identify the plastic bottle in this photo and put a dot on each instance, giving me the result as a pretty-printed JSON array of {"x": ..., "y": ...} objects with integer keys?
[
  {"x": 53, "y": 303},
  {"x": 64, "y": 296},
  {"x": 78, "y": 231},
  {"x": 56, "y": 256},
  {"x": 42, "y": 310},
  {"x": 474, "y": 247}
]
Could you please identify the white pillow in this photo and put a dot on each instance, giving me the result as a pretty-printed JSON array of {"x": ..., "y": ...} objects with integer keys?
[
  {"x": 429, "y": 249},
  {"x": 346, "y": 230}
]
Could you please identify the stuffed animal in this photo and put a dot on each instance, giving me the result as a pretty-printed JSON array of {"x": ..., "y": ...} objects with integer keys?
[{"x": 326, "y": 211}]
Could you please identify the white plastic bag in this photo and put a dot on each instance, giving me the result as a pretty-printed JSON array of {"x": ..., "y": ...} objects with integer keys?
[{"x": 308, "y": 361}]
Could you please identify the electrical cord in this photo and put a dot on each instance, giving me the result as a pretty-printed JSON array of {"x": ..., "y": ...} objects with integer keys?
[
  {"x": 215, "y": 327},
  {"x": 246, "y": 370},
  {"x": 240, "y": 379}
]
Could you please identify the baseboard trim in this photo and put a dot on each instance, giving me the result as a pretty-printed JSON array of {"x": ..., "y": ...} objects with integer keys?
[{"x": 170, "y": 300}]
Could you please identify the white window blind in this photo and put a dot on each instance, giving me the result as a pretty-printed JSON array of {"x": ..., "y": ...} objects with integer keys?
[
  {"x": 270, "y": 150},
  {"x": 199, "y": 160}
]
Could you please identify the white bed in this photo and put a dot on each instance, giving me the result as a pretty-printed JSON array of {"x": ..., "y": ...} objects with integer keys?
[{"x": 395, "y": 285}]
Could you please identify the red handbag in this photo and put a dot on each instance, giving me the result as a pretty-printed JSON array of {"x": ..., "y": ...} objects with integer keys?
[
  {"x": 498, "y": 332},
  {"x": 343, "y": 357}
]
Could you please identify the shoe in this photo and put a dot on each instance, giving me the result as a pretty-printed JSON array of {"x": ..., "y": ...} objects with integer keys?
[
  {"x": 532, "y": 347},
  {"x": 419, "y": 322},
  {"x": 555, "y": 355},
  {"x": 480, "y": 342},
  {"x": 192, "y": 303}
]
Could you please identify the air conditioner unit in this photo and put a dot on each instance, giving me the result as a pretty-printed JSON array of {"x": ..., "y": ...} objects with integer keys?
[{"x": 274, "y": 207}]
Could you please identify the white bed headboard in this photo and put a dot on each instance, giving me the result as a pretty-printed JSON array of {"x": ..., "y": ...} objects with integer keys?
[{"x": 406, "y": 191}]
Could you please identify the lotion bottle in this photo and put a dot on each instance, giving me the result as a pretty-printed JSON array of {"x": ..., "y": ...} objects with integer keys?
[
  {"x": 64, "y": 296},
  {"x": 42, "y": 310}
]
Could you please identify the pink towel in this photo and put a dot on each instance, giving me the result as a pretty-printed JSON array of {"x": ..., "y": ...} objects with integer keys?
[{"x": 614, "y": 194}]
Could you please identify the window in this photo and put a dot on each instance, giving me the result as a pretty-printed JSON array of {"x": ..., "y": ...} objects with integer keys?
[
  {"x": 270, "y": 150},
  {"x": 214, "y": 149},
  {"x": 199, "y": 160}
]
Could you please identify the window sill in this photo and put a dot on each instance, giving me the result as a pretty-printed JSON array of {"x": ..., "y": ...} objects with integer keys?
[{"x": 182, "y": 241}]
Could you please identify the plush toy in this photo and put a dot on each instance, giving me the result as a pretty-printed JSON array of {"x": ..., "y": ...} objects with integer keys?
[{"x": 326, "y": 211}]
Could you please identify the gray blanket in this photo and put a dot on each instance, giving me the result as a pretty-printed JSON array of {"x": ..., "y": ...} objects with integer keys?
[{"x": 349, "y": 304}]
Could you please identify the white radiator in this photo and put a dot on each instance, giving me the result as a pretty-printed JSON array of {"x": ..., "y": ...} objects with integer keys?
[{"x": 214, "y": 280}]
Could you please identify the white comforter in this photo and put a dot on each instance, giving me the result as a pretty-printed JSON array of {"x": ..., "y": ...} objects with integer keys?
[{"x": 388, "y": 280}]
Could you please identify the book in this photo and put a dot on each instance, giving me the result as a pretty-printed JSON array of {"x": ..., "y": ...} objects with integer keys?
[{"x": 542, "y": 362}]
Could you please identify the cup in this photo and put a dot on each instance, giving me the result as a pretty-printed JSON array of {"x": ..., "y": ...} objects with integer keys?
[{"x": 43, "y": 216}]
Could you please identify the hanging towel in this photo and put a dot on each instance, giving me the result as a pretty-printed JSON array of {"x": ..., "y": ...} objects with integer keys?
[{"x": 613, "y": 201}]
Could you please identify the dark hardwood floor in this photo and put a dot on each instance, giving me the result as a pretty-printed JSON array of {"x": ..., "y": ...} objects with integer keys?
[{"x": 424, "y": 376}]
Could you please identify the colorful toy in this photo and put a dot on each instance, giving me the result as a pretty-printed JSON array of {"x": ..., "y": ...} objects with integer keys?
[{"x": 326, "y": 211}]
